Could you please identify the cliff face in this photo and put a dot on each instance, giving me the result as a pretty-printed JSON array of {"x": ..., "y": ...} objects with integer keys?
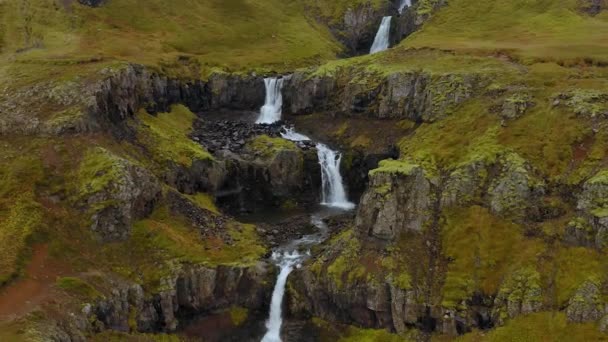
[{"x": 414, "y": 96}]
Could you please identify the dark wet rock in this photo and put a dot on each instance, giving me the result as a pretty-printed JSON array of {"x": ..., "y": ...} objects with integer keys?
[{"x": 93, "y": 3}]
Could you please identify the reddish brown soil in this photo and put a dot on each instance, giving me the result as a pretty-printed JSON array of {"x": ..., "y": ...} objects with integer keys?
[{"x": 34, "y": 288}]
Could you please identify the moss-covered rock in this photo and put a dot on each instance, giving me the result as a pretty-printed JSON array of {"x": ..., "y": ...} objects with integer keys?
[
  {"x": 520, "y": 294},
  {"x": 113, "y": 192},
  {"x": 399, "y": 199}
]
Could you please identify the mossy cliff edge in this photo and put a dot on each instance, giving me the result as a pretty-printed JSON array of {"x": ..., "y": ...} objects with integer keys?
[{"x": 492, "y": 216}]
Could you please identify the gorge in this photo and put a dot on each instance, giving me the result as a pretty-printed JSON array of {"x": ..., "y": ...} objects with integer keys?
[{"x": 303, "y": 170}]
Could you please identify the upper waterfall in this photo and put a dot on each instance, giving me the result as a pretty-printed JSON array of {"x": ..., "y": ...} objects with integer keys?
[
  {"x": 271, "y": 111},
  {"x": 381, "y": 42},
  {"x": 403, "y": 4}
]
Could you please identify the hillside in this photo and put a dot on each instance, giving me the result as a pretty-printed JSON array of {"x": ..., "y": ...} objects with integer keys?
[{"x": 139, "y": 201}]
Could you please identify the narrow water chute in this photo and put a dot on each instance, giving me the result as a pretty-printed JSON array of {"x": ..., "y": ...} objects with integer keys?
[{"x": 381, "y": 42}]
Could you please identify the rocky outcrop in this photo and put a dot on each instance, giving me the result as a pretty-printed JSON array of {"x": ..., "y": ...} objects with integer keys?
[
  {"x": 520, "y": 294},
  {"x": 417, "y": 96},
  {"x": 255, "y": 183},
  {"x": 115, "y": 193},
  {"x": 507, "y": 183},
  {"x": 586, "y": 304},
  {"x": 115, "y": 94},
  {"x": 591, "y": 227},
  {"x": 399, "y": 199},
  {"x": 192, "y": 290},
  {"x": 593, "y": 7},
  {"x": 93, "y": 3}
]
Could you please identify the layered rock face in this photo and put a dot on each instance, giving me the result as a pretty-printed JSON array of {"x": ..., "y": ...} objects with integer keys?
[
  {"x": 415, "y": 96},
  {"x": 190, "y": 291},
  {"x": 398, "y": 199}
]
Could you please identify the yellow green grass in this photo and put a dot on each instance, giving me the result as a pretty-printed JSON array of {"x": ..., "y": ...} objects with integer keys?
[
  {"x": 484, "y": 249},
  {"x": 166, "y": 137},
  {"x": 542, "y": 326},
  {"x": 230, "y": 34},
  {"x": 528, "y": 29}
]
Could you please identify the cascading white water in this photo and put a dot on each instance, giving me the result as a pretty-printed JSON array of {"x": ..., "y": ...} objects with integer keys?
[
  {"x": 381, "y": 42},
  {"x": 286, "y": 261},
  {"x": 271, "y": 111},
  {"x": 333, "y": 193},
  {"x": 292, "y": 135},
  {"x": 403, "y": 4}
]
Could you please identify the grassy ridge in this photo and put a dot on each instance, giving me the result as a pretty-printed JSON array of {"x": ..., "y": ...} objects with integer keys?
[
  {"x": 537, "y": 29},
  {"x": 233, "y": 34}
]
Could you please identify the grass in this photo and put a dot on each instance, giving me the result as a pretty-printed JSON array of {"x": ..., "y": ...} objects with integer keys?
[
  {"x": 166, "y": 137},
  {"x": 330, "y": 331},
  {"x": 542, "y": 326},
  {"x": 78, "y": 287},
  {"x": 234, "y": 34},
  {"x": 528, "y": 29},
  {"x": 164, "y": 240},
  {"x": 268, "y": 147},
  {"x": 21, "y": 216},
  {"x": 484, "y": 249}
]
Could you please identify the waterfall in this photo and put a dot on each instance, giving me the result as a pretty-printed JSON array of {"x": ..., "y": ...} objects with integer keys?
[
  {"x": 271, "y": 111},
  {"x": 381, "y": 41},
  {"x": 286, "y": 261},
  {"x": 333, "y": 193},
  {"x": 403, "y": 4},
  {"x": 292, "y": 135}
]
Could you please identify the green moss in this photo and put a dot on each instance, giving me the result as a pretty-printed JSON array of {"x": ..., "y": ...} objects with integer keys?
[
  {"x": 483, "y": 249},
  {"x": 204, "y": 201},
  {"x": 330, "y": 331},
  {"x": 370, "y": 335},
  {"x": 78, "y": 287},
  {"x": 238, "y": 315},
  {"x": 268, "y": 147},
  {"x": 99, "y": 170},
  {"x": 160, "y": 243},
  {"x": 166, "y": 136},
  {"x": 345, "y": 269},
  {"x": 114, "y": 336},
  {"x": 586, "y": 102},
  {"x": 542, "y": 326},
  {"x": 574, "y": 266},
  {"x": 394, "y": 167}
]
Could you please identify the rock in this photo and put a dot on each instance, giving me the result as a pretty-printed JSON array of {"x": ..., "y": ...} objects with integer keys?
[
  {"x": 398, "y": 199},
  {"x": 93, "y": 3},
  {"x": 586, "y": 304},
  {"x": 416, "y": 96},
  {"x": 520, "y": 294},
  {"x": 516, "y": 106},
  {"x": 130, "y": 195},
  {"x": 593, "y": 7},
  {"x": 592, "y": 226}
]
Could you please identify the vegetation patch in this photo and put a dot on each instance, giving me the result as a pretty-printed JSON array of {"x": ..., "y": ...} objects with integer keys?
[
  {"x": 542, "y": 326},
  {"x": 166, "y": 137},
  {"x": 483, "y": 249},
  {"x": 268, "y": 147},
  {"x": 392, "y": 166},
  {"x": 78, "y": 287}
]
